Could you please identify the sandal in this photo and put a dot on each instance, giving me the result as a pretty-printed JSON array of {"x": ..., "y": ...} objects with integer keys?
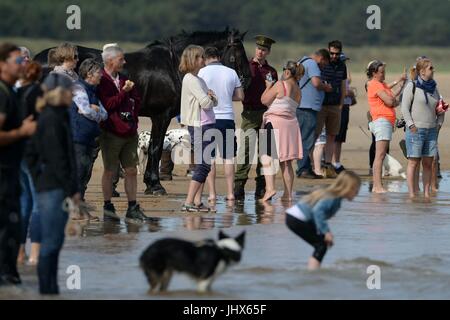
[
  {"x": 79, "y": 218},
  {"x": 93, "y": 218},
  {"x": 202, "y": 208},
  {"x": 189, "y": 208}
]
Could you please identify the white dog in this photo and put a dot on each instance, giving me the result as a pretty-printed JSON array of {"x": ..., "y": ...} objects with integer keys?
[
  {"x": 393, "y": 168},
  {"x": 172, "y": 138}
]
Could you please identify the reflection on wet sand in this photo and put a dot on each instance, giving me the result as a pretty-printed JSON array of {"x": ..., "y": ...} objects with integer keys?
[{"x": 407, "y": 239}]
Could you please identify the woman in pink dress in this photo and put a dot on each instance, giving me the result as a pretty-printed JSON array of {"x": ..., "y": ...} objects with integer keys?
[{"x": 282, "y": 98}]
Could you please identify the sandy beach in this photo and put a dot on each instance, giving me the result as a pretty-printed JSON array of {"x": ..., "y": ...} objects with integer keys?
[{"x": 383, "y": 230}]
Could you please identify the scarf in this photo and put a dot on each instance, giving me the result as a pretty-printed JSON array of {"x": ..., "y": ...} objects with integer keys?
[
  {"x": 70, "y": 73},
  {"x": 428, "y": 86}
]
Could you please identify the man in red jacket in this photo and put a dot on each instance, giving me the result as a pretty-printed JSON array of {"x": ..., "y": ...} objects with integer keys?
[{"x": 119, "y": 138}]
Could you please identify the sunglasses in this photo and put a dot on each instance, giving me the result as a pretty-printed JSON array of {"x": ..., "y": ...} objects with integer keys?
[{"x": 19, "y": 60}]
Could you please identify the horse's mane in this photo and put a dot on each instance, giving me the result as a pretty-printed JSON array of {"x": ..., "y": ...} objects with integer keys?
[
  {"x": 155, "y": 43},
  {"x": 181, "y": 40}
]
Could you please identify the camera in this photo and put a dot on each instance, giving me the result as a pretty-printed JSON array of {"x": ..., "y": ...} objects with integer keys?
[
  {"x": 126, "y": 116},
  {"x": 400, "y": 123}
]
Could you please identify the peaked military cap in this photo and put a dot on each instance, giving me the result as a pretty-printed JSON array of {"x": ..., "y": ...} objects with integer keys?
[{"x": 264, "y": 41}]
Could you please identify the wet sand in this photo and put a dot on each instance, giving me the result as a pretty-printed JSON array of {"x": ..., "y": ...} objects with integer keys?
[{"x": 407, "y": 240}]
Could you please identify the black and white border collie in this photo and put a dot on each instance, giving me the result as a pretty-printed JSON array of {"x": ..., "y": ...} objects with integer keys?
[{"x": 203, "y": 261}]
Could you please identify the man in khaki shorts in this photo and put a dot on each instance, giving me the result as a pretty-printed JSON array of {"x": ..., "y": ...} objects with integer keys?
[
  {"x": 335, "y": 73},
  {"x": 119, "y": 138}
]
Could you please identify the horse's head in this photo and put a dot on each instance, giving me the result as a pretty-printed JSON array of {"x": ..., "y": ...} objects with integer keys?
[{"x": 234, "y": 56}]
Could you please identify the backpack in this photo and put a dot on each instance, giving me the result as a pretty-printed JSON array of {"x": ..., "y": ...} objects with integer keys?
[
  {"x": 309, "y": 79},
  {"x": 402, "y": 123}
]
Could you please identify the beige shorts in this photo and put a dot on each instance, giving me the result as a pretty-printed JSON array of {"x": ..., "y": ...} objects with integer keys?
[
  {"x": 330, "y": 117},
  {"x": 117, "y": 150}
]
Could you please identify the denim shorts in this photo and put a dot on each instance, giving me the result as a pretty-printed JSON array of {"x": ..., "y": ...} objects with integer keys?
[
  {"x": 423, "y": 143},
  {"x": 381, "y": 129}
]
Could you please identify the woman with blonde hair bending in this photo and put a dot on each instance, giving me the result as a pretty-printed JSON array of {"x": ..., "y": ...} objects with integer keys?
[
  {"x": 281, "y": 123},
  {"x": 308, "y": 218}
]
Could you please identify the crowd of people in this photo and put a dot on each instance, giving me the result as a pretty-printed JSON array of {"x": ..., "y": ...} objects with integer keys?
[{"x": 52, "y": 129}]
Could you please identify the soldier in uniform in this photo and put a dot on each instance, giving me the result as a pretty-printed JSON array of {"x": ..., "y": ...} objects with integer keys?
[{"x": 252, "y": 118}]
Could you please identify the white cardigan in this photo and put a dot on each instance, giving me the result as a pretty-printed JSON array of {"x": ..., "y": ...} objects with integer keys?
[{"x": 194, "y": 97}]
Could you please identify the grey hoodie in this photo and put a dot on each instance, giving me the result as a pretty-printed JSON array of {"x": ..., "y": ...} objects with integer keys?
[{"x": 422, "y": 115}]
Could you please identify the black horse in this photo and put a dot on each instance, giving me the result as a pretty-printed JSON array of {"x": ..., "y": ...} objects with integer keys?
[{"x": 154, "y": 69}]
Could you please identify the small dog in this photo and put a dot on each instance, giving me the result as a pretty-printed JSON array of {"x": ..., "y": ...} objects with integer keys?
[
  {"x": 204, "y": 261},
  {"x": 393, "y": 168},
  {"x": 172, "y": 138}
]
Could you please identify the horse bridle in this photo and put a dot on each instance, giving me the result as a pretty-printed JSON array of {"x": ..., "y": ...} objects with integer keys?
[{"x": 233, "y": 44}]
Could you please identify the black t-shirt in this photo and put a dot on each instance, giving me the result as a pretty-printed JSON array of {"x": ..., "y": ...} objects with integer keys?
[
  {"x": 10, "y": 155},
  {"x": 27, "y": 96}
]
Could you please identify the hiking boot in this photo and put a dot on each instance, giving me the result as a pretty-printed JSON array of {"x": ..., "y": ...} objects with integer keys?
[
  {"x": 339, "y": 169},
  {"x": 109, "y": 213},
  {"x": 309, "y": 175},
  {"x": 135, "y": 213},
  {"x": 260, "y": 188},
  {"x": 239, "y": 191},
  {"x": 11, "y": 279}
]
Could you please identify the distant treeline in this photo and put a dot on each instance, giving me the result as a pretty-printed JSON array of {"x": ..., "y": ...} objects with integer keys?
[{"x": 403, "y": 22}]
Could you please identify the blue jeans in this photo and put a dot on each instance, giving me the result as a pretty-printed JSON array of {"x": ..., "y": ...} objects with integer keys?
[
  {"x": 84, "y": 156},
  {"x": 201, "y": 158},
  {"x": 28, "y": 207},
  {"x": 53, "y": 223},
  {"x": 307, "y": 120},
  {"x": 9, "y": 220}
]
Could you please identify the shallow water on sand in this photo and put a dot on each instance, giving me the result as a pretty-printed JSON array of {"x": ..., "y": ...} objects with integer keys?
[{"x": 408, "y": 240}]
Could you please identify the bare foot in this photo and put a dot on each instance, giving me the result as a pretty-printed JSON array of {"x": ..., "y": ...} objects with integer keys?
[
  {"x": 379, "y": 190},
  {"x": 230, "y": 197},
  {"x": 286, "y": 198},
  {"x": 212, "y": 198},
  {"x": 21, "y": 256},
  {"x": 268, "y": 195},
  {"x": 32, "y": 262}
]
